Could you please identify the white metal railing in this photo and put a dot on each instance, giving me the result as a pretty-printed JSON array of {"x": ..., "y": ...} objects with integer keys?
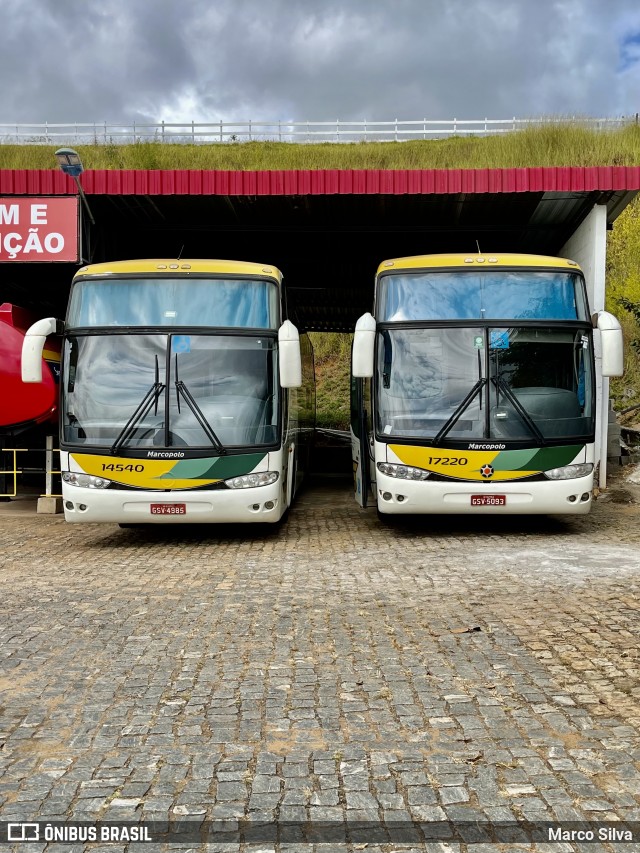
[{"x": 106, "y": 133}]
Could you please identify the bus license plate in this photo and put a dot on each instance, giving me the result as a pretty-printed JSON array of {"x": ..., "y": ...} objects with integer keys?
[
  {"x": 488, "y": 500},
  {"x": 168, "y": 509}
]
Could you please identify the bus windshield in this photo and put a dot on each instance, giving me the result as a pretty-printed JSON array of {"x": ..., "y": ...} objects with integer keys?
[
  {"x": 518, "y": 383},
  {"x": 224, "y": 303},
  {"x": 212, "y": 391},
  {"x": 482, "y": 295}
]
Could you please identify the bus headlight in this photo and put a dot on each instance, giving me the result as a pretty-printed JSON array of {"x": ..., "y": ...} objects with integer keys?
[
  {"x": 85, "y": 480},
  {"x": 569, "y": 472},
  {"x": 250, "y": 481},
  {"x": 402, "y": 472}
]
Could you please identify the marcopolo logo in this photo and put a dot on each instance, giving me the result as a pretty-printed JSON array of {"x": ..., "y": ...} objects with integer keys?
[
  {"x": 165, "y": 454},
  {"x": 475, "y": 446}
]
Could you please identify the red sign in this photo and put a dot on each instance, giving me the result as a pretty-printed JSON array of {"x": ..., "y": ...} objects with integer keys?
[{"x": 39, "y": 229}]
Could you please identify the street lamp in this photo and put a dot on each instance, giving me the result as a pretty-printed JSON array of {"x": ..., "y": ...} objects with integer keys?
[{"x": 71, "y": 164}]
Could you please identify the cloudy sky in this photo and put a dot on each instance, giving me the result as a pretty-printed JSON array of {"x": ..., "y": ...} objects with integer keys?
[{"x": 207, "y": 60}]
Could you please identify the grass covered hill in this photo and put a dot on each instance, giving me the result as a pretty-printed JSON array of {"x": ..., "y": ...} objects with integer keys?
[{"x": 555, "y": 144}]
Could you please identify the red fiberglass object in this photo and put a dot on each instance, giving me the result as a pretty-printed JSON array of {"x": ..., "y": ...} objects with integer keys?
[{"x": 22, "y": 404}]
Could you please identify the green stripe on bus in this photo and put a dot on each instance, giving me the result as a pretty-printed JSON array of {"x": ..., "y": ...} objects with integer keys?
[
  {"x": 555, "y": 457},
  {"x": 536, "y": 458},
  {"x": 219, "y": 468}
]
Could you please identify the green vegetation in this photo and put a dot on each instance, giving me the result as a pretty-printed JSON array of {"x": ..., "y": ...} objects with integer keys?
[
  {"x": 332, "y": 356},
  {"x": 554, "y": 144},
  {"x": 623, "y": 300}
]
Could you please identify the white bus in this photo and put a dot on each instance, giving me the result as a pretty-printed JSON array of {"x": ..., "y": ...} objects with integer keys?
[
  {"x": 474, "y": 389},
  {"x": 184, "y": 396}
]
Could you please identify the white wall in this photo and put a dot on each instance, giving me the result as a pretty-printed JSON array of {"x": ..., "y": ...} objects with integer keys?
[{"x": 588, "y": 247}]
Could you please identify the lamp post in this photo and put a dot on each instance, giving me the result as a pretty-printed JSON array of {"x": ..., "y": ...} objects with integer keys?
[{"x": 71, "y": 164}]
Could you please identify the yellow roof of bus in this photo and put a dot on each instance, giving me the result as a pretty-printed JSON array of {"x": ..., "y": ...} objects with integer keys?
[
  {"x": 490, "y": 260},
  {"x": 171, "y": 266}
]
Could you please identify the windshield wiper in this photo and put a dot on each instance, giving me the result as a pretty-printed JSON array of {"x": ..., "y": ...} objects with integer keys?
[
  {"x": 181, "y": 389},
  {"x": 520, "y": 410},
  {"x": 149, "y": 401},
  {"x": 451, "y": 422}
]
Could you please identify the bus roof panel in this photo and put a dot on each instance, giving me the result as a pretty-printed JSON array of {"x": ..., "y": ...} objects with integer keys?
[
  {"x": 460, "y": 260},
  {"x": 171, "y": 266}
]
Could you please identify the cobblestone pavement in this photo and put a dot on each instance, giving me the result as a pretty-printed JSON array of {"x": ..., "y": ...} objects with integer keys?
[{"x": 438, "y": 669}]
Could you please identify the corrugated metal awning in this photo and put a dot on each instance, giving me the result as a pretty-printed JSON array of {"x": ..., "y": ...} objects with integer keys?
[
  {"x": 328, "y": 229},
  {"x": 323, "y": 181}
]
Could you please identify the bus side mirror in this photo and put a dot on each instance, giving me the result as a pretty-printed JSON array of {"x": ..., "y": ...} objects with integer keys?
[
  {"x": 33, "y": 345},
  {"x": 611, "y": 343},
  {"x": 290, "y": 358},
  {"x": 363, "y": 343}
]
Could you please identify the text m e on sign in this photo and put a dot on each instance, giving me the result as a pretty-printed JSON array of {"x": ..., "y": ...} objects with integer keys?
[{"x": 39, "y": 229}]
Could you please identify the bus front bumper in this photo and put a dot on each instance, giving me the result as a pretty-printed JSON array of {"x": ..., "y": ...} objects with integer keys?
[
  {"x": 226, "y": 506},
  {"x": 540, "y": 497}
]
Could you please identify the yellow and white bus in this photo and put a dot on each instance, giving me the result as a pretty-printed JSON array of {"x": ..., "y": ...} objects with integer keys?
[
  {"x": 474, "y": 388},
  {"x": 186, "y": 396}
]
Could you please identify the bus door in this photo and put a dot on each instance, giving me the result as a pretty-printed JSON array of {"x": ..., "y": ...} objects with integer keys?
[{"x": 360, "y": 451}]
